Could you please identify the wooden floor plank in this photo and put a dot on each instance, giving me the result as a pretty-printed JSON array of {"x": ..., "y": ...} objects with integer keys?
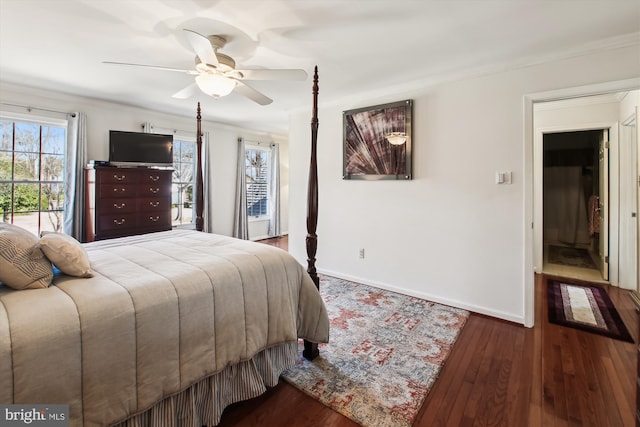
[
  {"x": 535, "y": 406},
  {"x": 519, "y": 385},
  {"x": 480, "y": 365},
  {"x": 451, "y": 374}
]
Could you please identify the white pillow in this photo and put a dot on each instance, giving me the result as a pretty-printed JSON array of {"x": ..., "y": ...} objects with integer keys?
[
  {"x": 67, "y": 254},
  {"x": 22, "y": 262}
]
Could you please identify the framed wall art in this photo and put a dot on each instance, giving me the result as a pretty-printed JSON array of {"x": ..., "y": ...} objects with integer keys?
[{"x": 377, "y": 142}]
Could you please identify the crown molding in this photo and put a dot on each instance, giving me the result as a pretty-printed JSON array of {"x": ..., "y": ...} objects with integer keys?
[{"x": 611, "y": 43}]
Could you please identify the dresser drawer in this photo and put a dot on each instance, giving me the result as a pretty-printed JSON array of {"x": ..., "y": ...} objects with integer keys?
[
  {"x": 155, "y": 220},
  {"x": 154, "y": 204},
  {"x": 154, "y": 190},
  {"x": 118, "y": 176},
  {"x": 109, "y": 191},
  {"x": 118, "y": 206},
  {"x": 110, "y": 222},
  {"x": 155, "y": 177}
]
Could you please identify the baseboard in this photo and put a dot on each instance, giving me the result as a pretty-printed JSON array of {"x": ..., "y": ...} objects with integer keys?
[{"x": 445, "y": 301}]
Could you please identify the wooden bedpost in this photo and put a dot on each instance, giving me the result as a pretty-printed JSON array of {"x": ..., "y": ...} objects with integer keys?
[
  {"x": 311, "y": 349},
  {"x": 199, "y": 180}
]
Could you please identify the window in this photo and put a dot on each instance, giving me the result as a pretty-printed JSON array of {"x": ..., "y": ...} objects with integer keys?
[
  {"x": 184, "y": 175},
  {"x": 32, "y": 173},
  {"x": 257, "y": 180}
]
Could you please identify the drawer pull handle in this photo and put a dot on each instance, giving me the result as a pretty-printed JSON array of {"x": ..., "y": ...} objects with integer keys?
[
  {"x": 154, "y": 218},
  {"x": 154, "y": 190},
  {"x": 118, "y": 221},
  {"x": 119, "y": 206},
  {"x": 154, "y": 178},
  {"x": 119, "y": 178},
  {"x": 154, "y": 204},
  {"x": 119, "y": 189}
]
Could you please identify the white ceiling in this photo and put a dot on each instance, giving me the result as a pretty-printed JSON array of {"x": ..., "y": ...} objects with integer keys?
[{"x": 377, "y": 47}]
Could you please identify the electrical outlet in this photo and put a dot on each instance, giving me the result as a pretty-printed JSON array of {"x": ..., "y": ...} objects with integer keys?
[{"x": 361, "y": 253}]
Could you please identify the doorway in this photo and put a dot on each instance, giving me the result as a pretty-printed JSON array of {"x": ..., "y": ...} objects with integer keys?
[
  {"x": 533, "y": 176},
  {"x": 575, "y": 209}
]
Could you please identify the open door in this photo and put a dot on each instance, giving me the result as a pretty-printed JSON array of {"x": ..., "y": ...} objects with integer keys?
[
  {"x": 637, "y": 212},
  {"x": 603, "y": 178},
  {"x": 628, "y": 170}
]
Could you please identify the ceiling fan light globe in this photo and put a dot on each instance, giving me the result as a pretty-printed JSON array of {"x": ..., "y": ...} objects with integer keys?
[{"x": 215, "y": 85}]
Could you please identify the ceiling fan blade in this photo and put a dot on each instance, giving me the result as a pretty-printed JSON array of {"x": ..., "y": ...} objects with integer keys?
[
  {"x": 187, "y": 92},
  {"x": 128, "y": 64},
  {"x": 202, "y": 46},
  {"x": 277, "y": 74},
  {"x": 252, "y": 94}
]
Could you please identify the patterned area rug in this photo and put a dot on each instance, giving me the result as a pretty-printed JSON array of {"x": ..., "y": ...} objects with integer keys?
[
  {"x": 575, "y": 257},
  {"x": 588, "y": 308},
  {"x": 385, "y": 351}
]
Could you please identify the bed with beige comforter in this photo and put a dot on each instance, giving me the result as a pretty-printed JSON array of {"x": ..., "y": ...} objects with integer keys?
[{"x": 173, "y": 326}]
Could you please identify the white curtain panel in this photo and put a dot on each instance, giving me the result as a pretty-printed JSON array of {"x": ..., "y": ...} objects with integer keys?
[
  {"x": 274, "y": 192},
  {"x": 75, "y": 161},
  {"x": 241, "y": 221},
  {"x": 565, "y": 205}
]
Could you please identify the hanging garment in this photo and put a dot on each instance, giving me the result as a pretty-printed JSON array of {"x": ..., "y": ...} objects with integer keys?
[{"x": 594, "y": 215}]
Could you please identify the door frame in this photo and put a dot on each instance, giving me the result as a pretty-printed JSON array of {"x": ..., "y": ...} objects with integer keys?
[
  {"x": 608, "y": 144},
  {"x": 529, "y": 155}
]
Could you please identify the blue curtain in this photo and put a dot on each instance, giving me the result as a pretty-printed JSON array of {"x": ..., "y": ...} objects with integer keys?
[{"x": 75, "y": 161}]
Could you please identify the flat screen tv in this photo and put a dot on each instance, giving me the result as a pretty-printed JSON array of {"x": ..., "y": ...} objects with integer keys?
[{"x": 140, "y": 149}]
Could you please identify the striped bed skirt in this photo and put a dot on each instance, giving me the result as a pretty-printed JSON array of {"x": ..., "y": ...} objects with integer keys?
[{"x": 202, "y": 403}]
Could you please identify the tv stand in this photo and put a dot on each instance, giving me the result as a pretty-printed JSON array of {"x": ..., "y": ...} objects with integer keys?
[{"x": 123, "y": 201}]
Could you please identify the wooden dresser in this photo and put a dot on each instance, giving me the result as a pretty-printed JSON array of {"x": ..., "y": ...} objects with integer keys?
[{"x": 126, "y": 201}]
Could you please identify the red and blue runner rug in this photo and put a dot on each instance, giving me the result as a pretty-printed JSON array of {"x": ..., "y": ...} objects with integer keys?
[{"x": 384, "y": 354}]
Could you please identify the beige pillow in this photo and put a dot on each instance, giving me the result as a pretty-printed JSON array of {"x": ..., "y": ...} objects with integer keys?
[
  {"x": 67, "y": 254},
  {"x": 22, "y": 262}
]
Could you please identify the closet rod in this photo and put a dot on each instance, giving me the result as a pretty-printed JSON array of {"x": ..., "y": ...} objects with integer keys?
[{"x": 29, "y": 108}]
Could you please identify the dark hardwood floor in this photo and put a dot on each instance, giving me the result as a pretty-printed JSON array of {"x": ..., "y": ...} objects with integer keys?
[
  {"x": 499, "y": 374},
  {"x": 281, "y": 242}
]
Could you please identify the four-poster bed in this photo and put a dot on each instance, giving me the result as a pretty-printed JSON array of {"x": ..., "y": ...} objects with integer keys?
[
  {"x": 173, "y": 326},
  {"x": 311, "y": 348}
]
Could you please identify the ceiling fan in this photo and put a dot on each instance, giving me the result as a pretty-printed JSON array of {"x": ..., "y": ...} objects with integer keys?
[{"x": 216, "y": 74}]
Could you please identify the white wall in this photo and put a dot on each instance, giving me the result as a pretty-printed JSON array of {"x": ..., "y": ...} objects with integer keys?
[
  {"x": 450, "y": 234},
  {"x": 628, "y": 104},
  {"x": 576, "y": 114},
  {"x": 103, "y": 116}
]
